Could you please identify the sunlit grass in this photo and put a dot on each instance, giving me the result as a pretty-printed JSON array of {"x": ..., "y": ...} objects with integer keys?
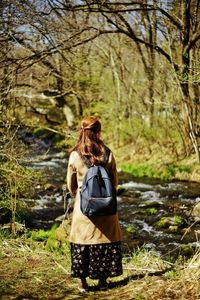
[
  {"x": 154, "y": 170},
  {"x": 32, "y": 269}
]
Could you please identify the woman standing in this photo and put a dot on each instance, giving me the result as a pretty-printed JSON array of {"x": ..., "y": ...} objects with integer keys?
[{"x": 95, "y": 242}]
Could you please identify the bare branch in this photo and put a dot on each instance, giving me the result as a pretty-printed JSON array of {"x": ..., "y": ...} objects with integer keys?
[
  {"x": 193, "y": 40},
  {"x": 107, "y": 8}
]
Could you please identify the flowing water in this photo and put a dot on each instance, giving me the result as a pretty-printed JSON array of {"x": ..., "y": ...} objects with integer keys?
[
  {"x": 167, "y": 199},
  {"x": 141, "y": 203}
]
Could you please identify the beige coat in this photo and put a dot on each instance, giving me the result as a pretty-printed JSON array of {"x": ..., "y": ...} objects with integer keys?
[{"x": 97, "y": 230}]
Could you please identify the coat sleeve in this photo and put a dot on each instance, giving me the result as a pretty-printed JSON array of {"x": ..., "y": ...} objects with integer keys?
[
  {"x": 72, "y": 175},
  {"x": 113, "y": 169}
]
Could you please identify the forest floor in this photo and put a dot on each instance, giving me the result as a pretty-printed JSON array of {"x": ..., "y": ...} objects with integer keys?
[{"x": 30, "y": 271}]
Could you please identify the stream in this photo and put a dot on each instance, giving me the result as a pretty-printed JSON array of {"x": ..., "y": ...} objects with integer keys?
[
  {"x": 141, "y": 204},
  {"x": 145, "y": 201}
]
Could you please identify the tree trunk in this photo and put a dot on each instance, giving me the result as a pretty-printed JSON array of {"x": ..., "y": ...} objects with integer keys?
[{"x": 190, "y": 121}]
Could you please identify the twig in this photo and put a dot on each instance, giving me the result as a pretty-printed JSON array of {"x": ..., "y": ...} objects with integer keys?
[
  {"x": 188, "y": 229},
  {"x": 136, "y": 269},
  {"x": 60, "y": 266}
]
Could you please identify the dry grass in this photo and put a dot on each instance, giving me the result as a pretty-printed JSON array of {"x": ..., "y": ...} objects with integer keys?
[{"x": 28, "y": 271}]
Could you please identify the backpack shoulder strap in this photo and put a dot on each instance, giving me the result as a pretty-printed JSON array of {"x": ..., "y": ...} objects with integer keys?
[{"x": 106, "y": 156}]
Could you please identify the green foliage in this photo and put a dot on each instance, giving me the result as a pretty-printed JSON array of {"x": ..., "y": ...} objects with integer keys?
[
  {"x": 43, "y": 235},
  {"x": 172, "y": 169},
  {"x": 52, "y": 244},
  {"x": 139, "y": 170},
  {"x": 178, "y": 221},
  {"x": 169, "y": 172},
  {"x": 48, "y": 238},
  {"x": 165, "y": 172},
  {"x": 107, "y": 78},
  {"x": 130, "y": 229},
  {"x": 162, "y": 222},
  {"x": 187, "y": 250},
  {"x": 151, "y": 211},
  {"x": 171, "y": 274},
  {"x": 182, "y": 168},
  {"x": 166, "y": 222},
  {"x": 16, "y": 178}
]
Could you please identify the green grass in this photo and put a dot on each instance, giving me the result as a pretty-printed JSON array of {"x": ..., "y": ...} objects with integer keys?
[
  {"x": 42, "y": 235},
  {"x": 139, "y": 170},
  {"x": 155, "y": 170}
]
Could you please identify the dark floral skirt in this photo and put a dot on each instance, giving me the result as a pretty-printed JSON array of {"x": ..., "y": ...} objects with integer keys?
[{"x": 96, "y": 261}]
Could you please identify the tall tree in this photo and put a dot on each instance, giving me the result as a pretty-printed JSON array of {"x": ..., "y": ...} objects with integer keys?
[
  {"x": 121, "y": 17},
  {"x": 41, "y": 41}
]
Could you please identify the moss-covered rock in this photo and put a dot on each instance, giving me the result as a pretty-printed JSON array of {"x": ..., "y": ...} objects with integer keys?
[
  {"x": 173, "y": 228},
  {"x": 132, "y": 231},
  {"x": 166, "y": 222},
  {"x": 151, "y": 211}
]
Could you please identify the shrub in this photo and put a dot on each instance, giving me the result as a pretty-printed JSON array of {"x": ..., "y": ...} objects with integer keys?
[{"x": 17, "y": 180}]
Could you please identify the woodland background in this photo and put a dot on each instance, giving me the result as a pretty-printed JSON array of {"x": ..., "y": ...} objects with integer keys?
[{"x": 135, "y": 64}]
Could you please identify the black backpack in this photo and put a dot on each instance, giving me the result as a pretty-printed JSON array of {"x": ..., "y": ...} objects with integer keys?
[{"x": 97, "y": 195}]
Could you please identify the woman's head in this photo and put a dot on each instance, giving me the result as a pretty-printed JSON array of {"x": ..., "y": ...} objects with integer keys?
[
  {"x": 89, "y": 142},
  {"x": 91, "y": 123}
]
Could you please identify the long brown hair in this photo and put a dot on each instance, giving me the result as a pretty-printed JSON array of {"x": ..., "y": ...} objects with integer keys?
[{"x": 89, "y": 142}]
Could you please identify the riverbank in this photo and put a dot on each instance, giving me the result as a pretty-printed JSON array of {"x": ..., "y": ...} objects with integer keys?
[
  {"x": 159, "y": 163},
  {"x": 153, "y": 160},
  {"x": 38, "y": 267}
]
